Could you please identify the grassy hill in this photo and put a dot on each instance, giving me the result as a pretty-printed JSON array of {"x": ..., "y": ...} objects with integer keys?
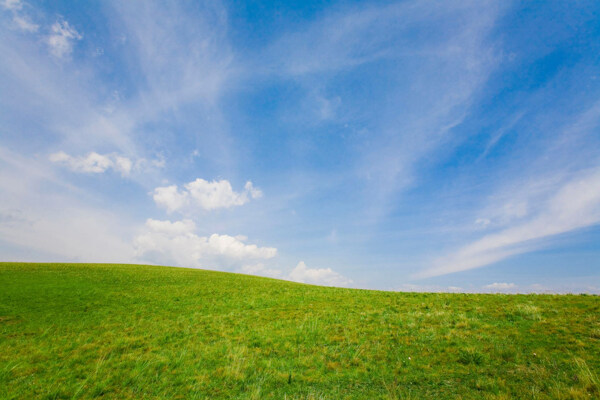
[{"x": 129, "y": 331}]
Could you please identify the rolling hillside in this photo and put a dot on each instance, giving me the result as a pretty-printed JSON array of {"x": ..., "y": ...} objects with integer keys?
[{"x": 129, "y": 331}]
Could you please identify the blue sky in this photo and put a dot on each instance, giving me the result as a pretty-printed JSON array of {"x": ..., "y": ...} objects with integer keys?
[{"x": 413, "y": 145}]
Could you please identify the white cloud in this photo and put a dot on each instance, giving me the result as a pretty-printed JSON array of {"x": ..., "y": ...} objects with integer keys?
[
  {"x": 61, "y": 232},
  {"x": 67, "y": 97},
  {"x": 12, "y": 4},
  {"x": 25, "y": 24},
  {"x": 483, "y": 222},
  {"x": 207, "y": 195},
  {"x": 94, "y": 162},
  {"x": 175, "y": 243},
  {"x": 170, "y": 198},
  {"x": 61, "y": 39},
  {"x": 301, "y": 273},
  {"x": 260, "y": 270},
  {"x": 501, "y": 286},
  {"x": 574, "y": 205},
  {"x": 171, "y": 229},
  {"x": 219, "y": 194},
  {"x": 410, "y": 287},
  {"x": 538, "y": 288},
  {"x": 45, "y": 218},
  {"x": 318, "y": 276},
  {"x": 20, "y": 20},
  {"x": 122, "y": 164}
]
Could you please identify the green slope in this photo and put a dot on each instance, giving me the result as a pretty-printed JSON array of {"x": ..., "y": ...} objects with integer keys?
[{"x": 128, "y": 331}]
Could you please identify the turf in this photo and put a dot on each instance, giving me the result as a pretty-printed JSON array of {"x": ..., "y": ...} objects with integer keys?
[{"x": 128, "y": 331}]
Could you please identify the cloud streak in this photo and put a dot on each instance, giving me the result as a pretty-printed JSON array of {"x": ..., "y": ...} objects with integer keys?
[
  {"x": 575, "y": 205},
  {"x": 434, "y": 68},
  {"x": 13, "y": 5},
  {"x": 94, "y": 162}
]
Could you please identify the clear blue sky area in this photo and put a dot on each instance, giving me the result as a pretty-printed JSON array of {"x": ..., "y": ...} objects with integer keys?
[{"x": 413, "y": 145}]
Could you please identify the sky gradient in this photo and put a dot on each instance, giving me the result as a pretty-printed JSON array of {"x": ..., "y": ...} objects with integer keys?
[{"x": 413, "y": 145}]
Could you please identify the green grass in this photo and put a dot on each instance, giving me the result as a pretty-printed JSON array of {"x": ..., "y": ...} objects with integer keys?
[{"x": 72, "y": 331}]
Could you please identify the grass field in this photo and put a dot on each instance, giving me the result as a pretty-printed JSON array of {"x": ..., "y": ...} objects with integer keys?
[{"x": 124, "y": 331}]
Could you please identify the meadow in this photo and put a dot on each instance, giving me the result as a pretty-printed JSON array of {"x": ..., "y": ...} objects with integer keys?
[{"x": 81, "y": 331}]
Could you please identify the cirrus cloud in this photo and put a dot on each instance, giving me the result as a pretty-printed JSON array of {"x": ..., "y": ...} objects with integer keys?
[
  {"x": 61, "y": 39},
  {"x": 21, "y": 21},
  {"x": 94, "y": 162},
  {"x": 573, "y": 205}
]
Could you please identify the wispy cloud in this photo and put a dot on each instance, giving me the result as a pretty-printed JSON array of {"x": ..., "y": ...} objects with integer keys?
[
  {"x": 168, "y": 75},
  {"x": 12, "y": 4},
  {"x": 431, "y": 83},
  {"x": 68, "y": 106},
  {"x": 98, "y": 163},
  {"x": 574, "y": 205},
  {"x": 20, "y": 20},
  {"x": 349, "y": 37},
  {"x": 418, "y": 132},
  {"x": 183, "y": 54},
  {"x": 76, "y": 108},
  {"x": 62, "y": 38},
  {"x": 94, "y": 162},
  {"x": 537, "y": 196},
  {"x": 25, "y": 24},
  {"x": 383, "y": 124},
  {"x": 178, "y": 58}
]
